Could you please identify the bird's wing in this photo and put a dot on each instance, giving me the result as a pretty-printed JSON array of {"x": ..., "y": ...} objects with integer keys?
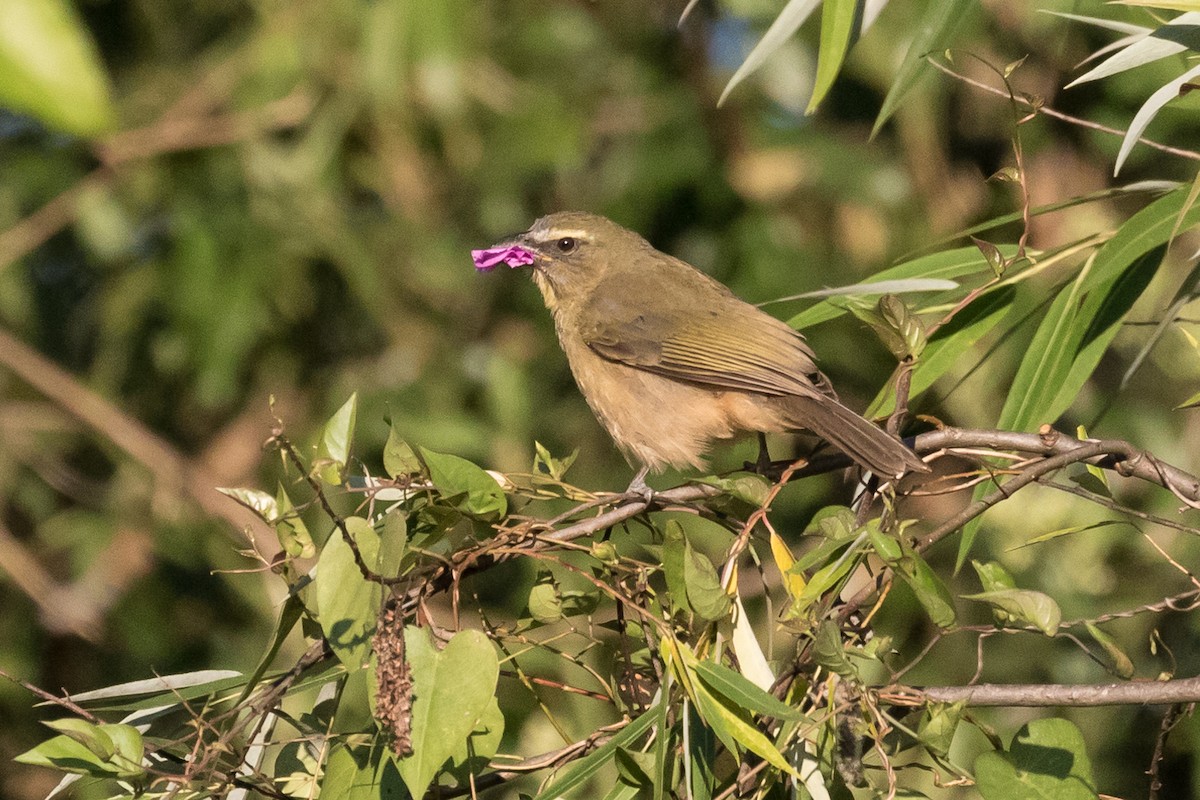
[{"x": 722, "y": 342}]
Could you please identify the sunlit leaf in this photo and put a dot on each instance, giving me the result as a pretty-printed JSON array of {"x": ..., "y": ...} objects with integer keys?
[
  {"x": 1047, "y": 759},
  {"x": 1120, "y": 663},
  {"x": 348, "y": 604},
  {"x": 787, "y": 23},
  {"x": 1024, "y": 605},
  {"x": 1165, "y": 94},
  {"x": 732, "y": 686},
  {"x": 452, "y": 690},
  {"x": 49, "y": 67},
  {"x": 471, "y": 489},
  {"x": 837, "y": 34},
  {"x": 333, "y": 451}
]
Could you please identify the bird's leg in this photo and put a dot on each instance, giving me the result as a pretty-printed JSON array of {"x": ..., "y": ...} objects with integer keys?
[
  {"x": 763, "y": 464},
  {"x": 638, "y": 486}
]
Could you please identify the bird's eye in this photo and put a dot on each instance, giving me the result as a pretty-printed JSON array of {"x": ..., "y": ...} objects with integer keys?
[{"x": 567, "y": 244}]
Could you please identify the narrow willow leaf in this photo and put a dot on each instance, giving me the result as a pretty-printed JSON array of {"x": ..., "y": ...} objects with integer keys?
[
  {"x": 838, "y": 20},
  {"x": 1165, "y": 94},
  {"x": 732, "y": 723},
  {"x": 1120, "y": 663},
  {"x": 583, "y": 770},
  {"x": 935, "y": 30},
  {"x": 49, "y": 68},
  {"x": 1142, "y": 51},
  {"x": 751, "y": 659},
  {"x": 1068, "y": 531},
  {"x": 787, "y": 23},
  {"x": 739, "y": 691}
]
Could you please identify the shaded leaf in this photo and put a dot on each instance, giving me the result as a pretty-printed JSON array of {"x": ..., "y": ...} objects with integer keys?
[
  {"x": 1118, "y": 662},
  {"x": 934, "y": 31},
  {"x": 583, "y": 770}
]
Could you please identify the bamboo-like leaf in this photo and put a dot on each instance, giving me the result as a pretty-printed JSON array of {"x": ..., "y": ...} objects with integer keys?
[
  {"x": 787, "y": 23},
  {"x": 737, "y": 689},
  {"x": 941, "y": 20},
  {"x": 1148, "y": 111},
  {"x": 583, "y": 770},
  {"x": 838, "y": 18},
  {"x": 1155, "y": 45}
]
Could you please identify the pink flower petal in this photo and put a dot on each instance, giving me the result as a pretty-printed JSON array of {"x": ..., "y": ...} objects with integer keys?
[{"x": 489, "y": 259}]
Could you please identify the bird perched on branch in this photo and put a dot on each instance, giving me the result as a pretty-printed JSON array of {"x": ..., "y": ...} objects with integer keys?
[{"x": 671, "y": 360}]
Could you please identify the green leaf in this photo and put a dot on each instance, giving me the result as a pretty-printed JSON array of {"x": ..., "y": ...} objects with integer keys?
[
  {"x": 673, "y": 549},
  {"x": 1047, "y": 760},
  {"x": 398, "y": 457},
  {"x": 261, "y": 503},
  {"x": 839, "y": 21},
  {"x": 293, "y": 534},
  {"x": 1025, "y": 606},
  {"x": 1119, "y": 663},
  {"x": 1172, "y": 90},
  {"x": 333, "y": 451},
  {"x": 704, "y": 593},
  {"x": 359, "y": 773},
  {"x": 930, "y": 590},
  {"x": 393, "y": 543},
  {"x": 830, "y": 653},
  {"x": 1068, "y": 531},
  {"x": 738, "y": 690},
  {"x": 993, "y": 576},
  {"x": 545, "y": 604},
  {"x": 936, "y": 28},
  {"x": 348, "y": 604},
  {"x": 732, "y": 724},
  {"x": 744, "y": 486},
  {"x": 466, "y": 486},
  {"x": 949, "y": 264},
  {"x": 787, "y": 23},
  {"x": 484, "y": 740},
  {"x": 583, "y": 770},
  {"x": 87, "y": 734},
  {"x": 67, "y": 755},
  {"x": 49, "y": 68},
  {"x": 938, "y": 724},
  {"x": 452, "y": 690},
  {"x": 948, "y": 344}
]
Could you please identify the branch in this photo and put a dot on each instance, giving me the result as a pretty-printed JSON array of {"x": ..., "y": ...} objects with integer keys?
[{"x": 1040, "y": 695}]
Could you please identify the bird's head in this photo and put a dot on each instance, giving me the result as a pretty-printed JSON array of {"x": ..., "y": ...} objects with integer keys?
[{"x": 570, "y": 252}]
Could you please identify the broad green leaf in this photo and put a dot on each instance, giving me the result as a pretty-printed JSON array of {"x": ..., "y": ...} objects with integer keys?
[
  {"x": 293, "y": 534},
  {"x": 838, "y": 18},
  {"x": 583, "y": 770},
  {"x": 993, "y": 576},
  {"x": 87, "y": 734},
  {"x": 947, "y": 345},
  {"x": 1120, "y": 663},
  {"x": 938, "y": 724},
  {"x": 931, "y": 592},
  {"x": 949, "y": 264},
  {"x": 348, "y": 604},
  {"x": 398, "y": 457},
  {"x": 1047, "y": 760},
  {"x": 787, "y": 23},
  {"x": 485, "y": 740},
  {"x": 470, "y": 489},
  {"x": 672, "y": 564},
  {"x": 49, "y": 67},
  {"x": 65, "y": 754},
  {"x": 704, "y": 592},
  {"x": 734, "y": 687},
  {"x": 261, "y": 503},
  {"x": 333, "y": 451},
  {"x": 545, "y": 604},
  {"x": 359, "y": 773},
  {"x": 830, "y": 653},
  {"x": 1025, "y": 606},
  {"x": 1172, "y": 90},
  {"x": 936, "y": 28},
  {"x": 752, "y": 489},
  {"x": 452, "y": 690},
  {"x": 393, "y": 543}
]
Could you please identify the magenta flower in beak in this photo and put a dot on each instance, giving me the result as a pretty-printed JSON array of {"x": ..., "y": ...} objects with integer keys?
[{"x": 513, "y": 255}]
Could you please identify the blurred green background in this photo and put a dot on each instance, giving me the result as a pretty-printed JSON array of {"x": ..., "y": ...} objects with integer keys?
[{"x": 285, "y": 210}]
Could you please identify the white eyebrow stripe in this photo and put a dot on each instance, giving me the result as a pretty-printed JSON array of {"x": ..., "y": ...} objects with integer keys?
[{"x": 565, "y": 233}]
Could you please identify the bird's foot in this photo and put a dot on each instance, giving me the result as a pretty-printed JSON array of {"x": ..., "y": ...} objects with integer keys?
[{"x": 638, "y": 487}]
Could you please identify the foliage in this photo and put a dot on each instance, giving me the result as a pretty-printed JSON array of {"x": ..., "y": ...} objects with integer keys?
[{"x": 286, "y": 209}]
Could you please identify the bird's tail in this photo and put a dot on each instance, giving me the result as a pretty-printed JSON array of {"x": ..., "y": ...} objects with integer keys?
[{"x": 869, "y": 445}]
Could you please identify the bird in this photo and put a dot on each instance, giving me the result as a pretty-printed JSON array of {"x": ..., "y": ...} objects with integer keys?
[{"x": 670, "y": 360}]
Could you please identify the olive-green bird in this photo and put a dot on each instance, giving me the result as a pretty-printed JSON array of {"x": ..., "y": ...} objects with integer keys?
[{"x": 671, "y": 360}]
